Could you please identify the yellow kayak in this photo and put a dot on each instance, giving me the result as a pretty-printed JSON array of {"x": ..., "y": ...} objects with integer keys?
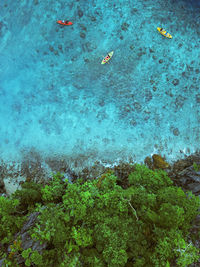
[
  {"x": 164, "y": 33},
  {"x": 107, "y": 58}
]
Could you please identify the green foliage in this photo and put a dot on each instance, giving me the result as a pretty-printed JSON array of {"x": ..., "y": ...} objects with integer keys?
[
  {"x": 188, "y": 202},
  {"x": 51, "y": 227},
  {"x": 10, "y": 222},
  {"x": 196, "y": 166},
  {"x": 174, "y": 244},
  {"x": 29, "y": 195},
  {"x": 98, "y": 223},
  {"x": 150, "y": 180},
  {"x": 54, "y": 191},
  {"x": 32, "y": 257},
  {"x": 187, "y": 254}
]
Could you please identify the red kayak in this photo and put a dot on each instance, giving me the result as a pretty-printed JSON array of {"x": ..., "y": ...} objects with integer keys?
[{"x": 65, "y": 22}]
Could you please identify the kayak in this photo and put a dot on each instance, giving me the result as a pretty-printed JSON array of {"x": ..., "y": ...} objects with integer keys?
[
  {"x": 107, "y": 58},
  {"x": 66, "y": 23},
  {"x": 164, "y": 33}
]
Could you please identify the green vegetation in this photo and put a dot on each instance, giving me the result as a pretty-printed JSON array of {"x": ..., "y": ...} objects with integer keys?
[
  {"x": 196, "y": 166},
  {"x": 98, "y": 223}
]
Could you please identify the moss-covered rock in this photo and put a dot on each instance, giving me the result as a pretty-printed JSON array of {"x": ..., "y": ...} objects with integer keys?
[{"x": 159, "y": 162}]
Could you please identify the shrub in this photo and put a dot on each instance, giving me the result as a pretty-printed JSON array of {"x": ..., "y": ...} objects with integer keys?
[
  {"x": 98, "y": 223},
  {"x": 54, "y": 191},
  {"x": 10, "y": 221},
  {"x": 28, "y": 196}
]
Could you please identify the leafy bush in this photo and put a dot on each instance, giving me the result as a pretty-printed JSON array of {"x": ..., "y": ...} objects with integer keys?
[
  {"x": 29, "y": 195},
  {"x": 10, "y": 221},
  {"x": 54, "y": 191},
  {"x": 196, "y": 167},
  {"x": 32, "y": 257},
  {"x": 98, "y": 223}
]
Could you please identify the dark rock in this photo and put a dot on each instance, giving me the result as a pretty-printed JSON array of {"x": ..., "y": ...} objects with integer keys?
[
  {"x": 198, "y": 98},
  {"x": 154, "y": 88},
  {"x": 102, "y": 103},
  {"x": 148, "y": 95},
  {"x": 185, "y": 174},
  {"x": 190, "y": 174},
  {"x": 183, "y": 73},
  {"x": 124, "y": 26},
  {"x": 169, "y": 93},
  {"x": 51, "y": 48},
  {"x": 179, "y": 101},
  {"x": 140, "y": 54},
  {"x": 133, "y": 122},
  {"x": 127, "y": 108},
  {"x": 146, "y": 118},
  {"x": 189, "y": 68},
  {"x": 176, "y": 131},
  {"x": 131, "y": 47},
  {"x": 2, "y": 187},
  {"x": 133, "y": 10},
  {"x": 83, "y": 28},
  {"x": 194, "y": 187},
  {"x": 175, "y": 82},
  {"x": 93, "y": 18},
  {"x": 88, "y": 47},
  {"x": 86, "y": 60},
  {"x": 197, "y": 71},
  {"x": 80, "y": 13},
  {"x": 82, "y": 35},
  {"x": 180, "y": 165},
  {"x": 160, "y": 61},
  {"x": 98, "y": 11},
  {"x": 151, "y": 50},
  {"x": 60, "y": 47},
  {"x": 121, "y": 37},
  {"x": 137, "y": 106},
  {"x": 3, "y": 28},
  {"x": 149, "y": 162}
]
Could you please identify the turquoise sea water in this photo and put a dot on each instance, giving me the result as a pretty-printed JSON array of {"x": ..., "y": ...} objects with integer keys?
[{"x": 57, "y": 98}]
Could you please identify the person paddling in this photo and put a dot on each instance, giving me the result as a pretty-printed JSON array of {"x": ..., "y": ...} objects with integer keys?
[{"x": 64, "y": 22}]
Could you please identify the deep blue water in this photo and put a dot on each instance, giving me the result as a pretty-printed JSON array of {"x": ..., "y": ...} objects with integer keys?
[{"x": 56, "y": 97}]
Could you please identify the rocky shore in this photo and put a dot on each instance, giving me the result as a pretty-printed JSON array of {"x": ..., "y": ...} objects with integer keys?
[{"x": 185, "y": 173}]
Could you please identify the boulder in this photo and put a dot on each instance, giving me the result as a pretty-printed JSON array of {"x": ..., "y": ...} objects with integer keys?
[
  {"x": 159, "y": 162},
  {"x": 186, "y": 173}
]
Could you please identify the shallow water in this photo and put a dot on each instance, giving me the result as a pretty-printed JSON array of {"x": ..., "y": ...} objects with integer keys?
[{"x": 57, "y": 98}]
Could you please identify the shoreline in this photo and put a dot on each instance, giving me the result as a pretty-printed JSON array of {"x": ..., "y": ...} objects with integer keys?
[{"x": 33, "y": 166}]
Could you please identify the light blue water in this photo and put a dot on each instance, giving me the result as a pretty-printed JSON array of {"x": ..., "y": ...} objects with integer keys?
[{"x": 56, "y": 97}]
